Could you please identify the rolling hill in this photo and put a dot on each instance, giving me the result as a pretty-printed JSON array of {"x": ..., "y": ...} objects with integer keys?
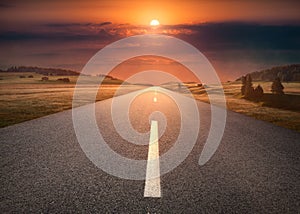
[
  {"x": 43, "y": 71},
  {"x": 287, "y": 73}
]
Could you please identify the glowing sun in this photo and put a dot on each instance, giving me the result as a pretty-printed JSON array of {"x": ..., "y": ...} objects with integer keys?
[{"x": 154, "y": 22}]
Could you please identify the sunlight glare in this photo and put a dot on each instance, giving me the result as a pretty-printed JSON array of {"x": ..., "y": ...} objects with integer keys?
[{"x": 154, "y": 22}]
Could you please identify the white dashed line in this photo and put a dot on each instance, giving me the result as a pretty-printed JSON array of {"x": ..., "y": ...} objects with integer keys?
[{"x": 152, "y": 183}]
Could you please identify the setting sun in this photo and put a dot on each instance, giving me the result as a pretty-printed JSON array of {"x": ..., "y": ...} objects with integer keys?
[{"x": 154, "y": 22}]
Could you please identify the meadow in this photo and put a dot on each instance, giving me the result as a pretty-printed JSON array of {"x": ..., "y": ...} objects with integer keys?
[
  {"x": 282, "y": 110},
  {"x": 23, "y": 99},
  {"x": 26, "y": 98}
]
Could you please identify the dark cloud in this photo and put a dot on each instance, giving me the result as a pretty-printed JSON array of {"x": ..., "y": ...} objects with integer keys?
[
  {"x": 103, "y": 24},
  {"x": 44, "y": 54},
  {"x": 54, "y": 36},
  {"x": 208, "y": 37},
  {"x": 77, "y": 24},
  {"x": 215, "y": 36},
  {"x": 233, "y": 48},
  {"x": 4, "y": 5},
  {"x": 61, "y": 32}
]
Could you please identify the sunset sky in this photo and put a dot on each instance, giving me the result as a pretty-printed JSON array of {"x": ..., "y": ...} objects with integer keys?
[{"x": 236, "y": 36}]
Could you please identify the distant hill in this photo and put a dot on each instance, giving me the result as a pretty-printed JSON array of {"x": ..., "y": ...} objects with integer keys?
[
  {"x": 43, "y": 71},
  {"x": 287, "y": 73}
]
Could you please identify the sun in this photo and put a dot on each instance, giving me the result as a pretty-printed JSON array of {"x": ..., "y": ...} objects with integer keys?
[{"x": 154, "y": 22}]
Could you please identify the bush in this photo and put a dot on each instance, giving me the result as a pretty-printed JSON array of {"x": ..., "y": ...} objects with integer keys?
[
  {"x": 249, "y": 90},
  {"x": 277, "y": 87},
  {"x": 258, "y": 92},
  {"x": 64, "y": 79},
  {"x": 243, "y": 85}
]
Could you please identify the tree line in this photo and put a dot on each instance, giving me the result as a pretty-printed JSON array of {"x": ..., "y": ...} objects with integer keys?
[
  {"x": 249, "y": 92},
  {"x": 43, "y": 71},
  {"x": 286, "y": 73}
]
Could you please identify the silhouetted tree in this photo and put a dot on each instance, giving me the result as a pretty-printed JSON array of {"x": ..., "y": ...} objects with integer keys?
[
  {"x": 249, "y": 90},
  {"x": 277, "y": 87},
  {"x": 179, "y": 86},
  {"x": 243, "y": 85},
  {"x": 258, "y": 92},
  {"x": 63, "y": 79}
]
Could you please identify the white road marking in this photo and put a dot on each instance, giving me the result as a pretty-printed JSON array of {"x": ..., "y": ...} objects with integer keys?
[{"x": 152, "y": 183}]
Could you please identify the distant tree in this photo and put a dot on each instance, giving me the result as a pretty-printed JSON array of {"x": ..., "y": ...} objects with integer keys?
[
  {"x": 63, "y": 79},
  {"x": 296, "y": 77},
  {"x": 249, "y": 90},
  {"x": 277, "y": 87},
  {"x": 258, "y": 92},
  {"x": 66, "y": 80},
  {"x": 243, "y": 85},
  {"x": 45, "y": 78},
  {"x": 179, "y": 85}
]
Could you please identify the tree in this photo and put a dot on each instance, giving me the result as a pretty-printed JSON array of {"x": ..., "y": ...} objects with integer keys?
[
  {"x": 249, "y": 90},
  {"x": 243, "y": 85},
  {"x": 258, "y": 92},
  {"x": 277, "y": 87}
]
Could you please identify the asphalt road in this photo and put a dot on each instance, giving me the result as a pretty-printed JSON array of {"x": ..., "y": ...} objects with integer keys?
[{"x": 256, "y": 168}]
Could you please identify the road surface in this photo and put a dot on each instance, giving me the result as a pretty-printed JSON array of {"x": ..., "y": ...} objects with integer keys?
[{"x": 256, "y": 168}]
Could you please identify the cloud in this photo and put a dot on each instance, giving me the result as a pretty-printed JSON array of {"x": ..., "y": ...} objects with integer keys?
[
  {"x": 218, "y": 36},
  {"x": 4, "y": 5},
  {"x": 208, "y": 36},
  {"x": 63, "y": 25},
  {"x": 57, "y": 36},
  {"x": 230, "y": 46},
  {"x": 104, "y": 23}
]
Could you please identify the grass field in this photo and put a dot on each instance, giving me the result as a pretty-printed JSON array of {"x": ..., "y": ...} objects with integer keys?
[
  {"x": 283, "y": 110},
  {"x": 26, "y": 98}
]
